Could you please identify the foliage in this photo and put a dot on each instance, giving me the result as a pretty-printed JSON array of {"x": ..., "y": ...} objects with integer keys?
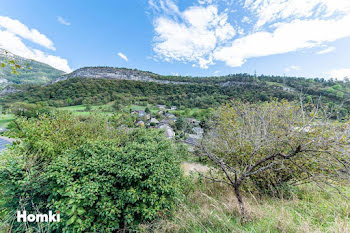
[
  {"x": 267, "y": 145},
  {"x": 192, "y": 93},
  {"x": 21, "y": 109},
  {"x": 99, "y": 178},
  {"x": 88, "y": 107},
  {"x": 180, "y": 124}
]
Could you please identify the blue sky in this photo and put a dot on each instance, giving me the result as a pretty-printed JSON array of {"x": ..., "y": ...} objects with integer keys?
[{"x": 308, "y": 38}]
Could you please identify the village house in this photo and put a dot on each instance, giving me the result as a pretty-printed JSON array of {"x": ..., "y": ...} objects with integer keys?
[
  {"x": 193, "y": 139},
  {"x": 168, "y": 131},
  {"x": 141, "y": 113},
  {"x": 198, "y": 130},
  {"x": 161, "y": 107},
  {"x": 153, "y": 122},
  {"x": 170, "y": 116},
  {"x": 140, "y": 123},
  {"x": 167, "y": 121}
]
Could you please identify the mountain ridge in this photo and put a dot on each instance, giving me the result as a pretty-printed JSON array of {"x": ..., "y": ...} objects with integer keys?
[
  {"x": 103, "y": 72},
  {"x": 115, "y": 73},
  {"x": 39, "y": 73}
]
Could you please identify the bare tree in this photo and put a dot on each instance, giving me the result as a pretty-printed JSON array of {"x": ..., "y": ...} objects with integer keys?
[{"x": 275, "y": 143}]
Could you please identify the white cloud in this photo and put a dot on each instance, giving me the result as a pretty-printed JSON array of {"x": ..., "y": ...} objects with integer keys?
[
  {"x": 269, "y": 11},
  {"x": 292, "y": 68},
  {"x": 326, "y": 50},
  {"x": 123, "y": 56},
  {"x": 19, "y": 29},
  {"x": 63, "y": 21},
  {"x": 339, "y": 74},
  {"x": 11, "y": 39},
  {"x": 287, "y": 37},
  {"x": 202, "y": 2},
  {"x": 192, "y": 35},
  {"x": 246, "y": 20},
  {"x": 216, "y": 72},
  {"x": 203, "y": 35}
]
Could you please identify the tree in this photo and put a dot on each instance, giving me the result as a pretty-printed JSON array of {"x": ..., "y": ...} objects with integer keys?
[
  {"x": 267, "y": 145},
  {"x": 117, "y": 106},
  {"x": 147, "y": 110},
  {"x": 13, "y": 65},
  {"x": 180, "y": 123},
  {"x": 88, "y": 107},
  {"x": 21, "y": 109}
]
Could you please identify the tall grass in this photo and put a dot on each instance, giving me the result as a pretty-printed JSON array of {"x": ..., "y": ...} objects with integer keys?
[{"x": 213, "y": 208}]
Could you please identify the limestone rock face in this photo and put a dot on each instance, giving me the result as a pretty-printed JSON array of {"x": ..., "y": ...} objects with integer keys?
[{"x": 115, "y": 73}]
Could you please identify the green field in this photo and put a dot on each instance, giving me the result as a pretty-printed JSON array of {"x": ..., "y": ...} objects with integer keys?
[
  {"x": 81, "y": 109},
  {"x": 108, "y": 109},
  {"x": 5, "y": 120}
]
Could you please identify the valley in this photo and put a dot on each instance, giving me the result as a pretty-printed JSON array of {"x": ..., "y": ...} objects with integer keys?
[{"x": 187, "y": 126}]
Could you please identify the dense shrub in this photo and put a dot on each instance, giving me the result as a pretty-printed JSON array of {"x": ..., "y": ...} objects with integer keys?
[{"x": 98, "y": 185}]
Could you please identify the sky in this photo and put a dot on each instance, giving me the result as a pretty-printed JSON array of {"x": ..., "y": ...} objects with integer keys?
[{"x": 303, "y": 38}]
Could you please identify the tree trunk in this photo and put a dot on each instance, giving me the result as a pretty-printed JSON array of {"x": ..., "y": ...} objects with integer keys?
[{"x": 240, "y": 201}]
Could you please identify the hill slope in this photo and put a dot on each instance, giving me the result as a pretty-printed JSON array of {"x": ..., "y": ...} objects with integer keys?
[
  {"x": 39, "y": 73},
  {"x": 99, "y": 85}
]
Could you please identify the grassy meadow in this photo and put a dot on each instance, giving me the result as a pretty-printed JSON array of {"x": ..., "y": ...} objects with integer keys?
[
  {"x": 210, "y": 207},
  {"x": 6, "y": 119}
]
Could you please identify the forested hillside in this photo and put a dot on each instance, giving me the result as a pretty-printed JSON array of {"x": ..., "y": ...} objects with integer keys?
[
  {"x": 143, "y": 88},
  {"x": 29, "y": 71}
]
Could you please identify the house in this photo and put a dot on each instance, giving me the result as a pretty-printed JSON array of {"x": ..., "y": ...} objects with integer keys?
[
  {"x": 148, "y": 116},
  {"x": 161, "y": 107},
  {"x": 173, "y": 108},
  {"x": 169, "y": 132},
  {"x": 167, "y": 121},
  {"x": 141, "y": 113},
  {"x": 153, "y": 122},
  {"x": 170, "y": 116},
  {"x": 193, "y": 139},
  {"x": 140, "y": 123},
  {"x": 198, "y": 130}
]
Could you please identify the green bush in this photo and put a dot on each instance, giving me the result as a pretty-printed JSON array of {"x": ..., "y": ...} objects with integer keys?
[
  {"x": 97, "y": 185},
  {"x": 29, "y": 110}
]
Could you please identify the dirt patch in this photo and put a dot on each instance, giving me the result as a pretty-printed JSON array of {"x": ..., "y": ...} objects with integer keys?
[{"x": 194, "y": 167}]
